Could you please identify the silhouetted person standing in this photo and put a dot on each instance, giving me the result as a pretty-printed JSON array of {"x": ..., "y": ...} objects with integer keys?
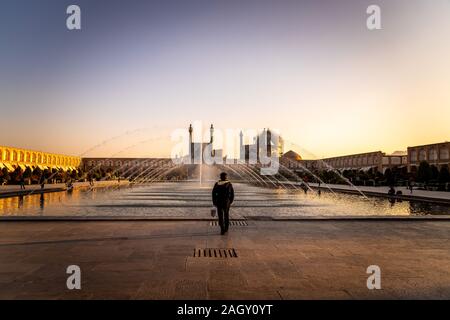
[
  {"x": 42, "y": 181},
  {"x": 410, "y": 185},
  {"x": 22, "y": 182},
  {"x": 391, "y": 191},
  {"x": 223, "y": 196}
]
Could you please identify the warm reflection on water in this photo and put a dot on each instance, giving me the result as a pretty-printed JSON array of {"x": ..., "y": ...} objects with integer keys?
[{"x": 193, "y": 200}]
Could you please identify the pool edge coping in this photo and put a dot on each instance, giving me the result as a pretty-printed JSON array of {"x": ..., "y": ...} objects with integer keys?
[{"x": 246, "y": 218}]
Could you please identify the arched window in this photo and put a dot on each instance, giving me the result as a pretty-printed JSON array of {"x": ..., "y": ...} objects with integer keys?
[
  {"x": 7, "y": 155},
  {"x": 14, "y": 155},
  {"x": 39, "y": 158},
  {"x": 444, "y": 154},
  {"x": 422, "y": 155},
  {"x": 21, "y": 156},
  {"x": 433, "y": 154}
]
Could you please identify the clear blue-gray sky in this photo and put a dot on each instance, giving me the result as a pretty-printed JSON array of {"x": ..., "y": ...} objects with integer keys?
[{"x": 310, "y": 68}]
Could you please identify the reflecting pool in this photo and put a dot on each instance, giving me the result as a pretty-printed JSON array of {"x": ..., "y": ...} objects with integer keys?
[{"x": 193, "y": 200}]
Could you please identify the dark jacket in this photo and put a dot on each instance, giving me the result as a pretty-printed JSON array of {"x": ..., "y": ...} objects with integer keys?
[{"x": 223, "y": 193}]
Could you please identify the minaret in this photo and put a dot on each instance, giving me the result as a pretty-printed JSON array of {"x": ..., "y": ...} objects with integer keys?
[
  {"x": 257, "y": 145},
  {"x": 191, "y": 146},
  {"x": 241, "y": 146},
  {"x": 211, "y": 139},
  {"x": 211, "y": 131}
]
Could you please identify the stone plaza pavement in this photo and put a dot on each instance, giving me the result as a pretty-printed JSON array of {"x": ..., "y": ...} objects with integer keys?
[
  {"x": 383, "y": 190},
  {"x": 276, "y": 260}
]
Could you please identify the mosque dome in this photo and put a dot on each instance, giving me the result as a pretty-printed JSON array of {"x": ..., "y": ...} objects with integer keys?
[{"x": 292, "y": 155}]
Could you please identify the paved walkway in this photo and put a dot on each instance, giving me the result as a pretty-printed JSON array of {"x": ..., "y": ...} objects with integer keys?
[
  {"x": 276, "y": 260},
  {"x": 419, "y": 194}
]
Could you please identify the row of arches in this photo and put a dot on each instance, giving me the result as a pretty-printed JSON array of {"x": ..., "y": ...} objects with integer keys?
[
  {"x": 369, "y": 159},
  {"x": 128, "y": 163},
  {"x": 431, "y": 154},
  {"x": 37, "y": 158}
]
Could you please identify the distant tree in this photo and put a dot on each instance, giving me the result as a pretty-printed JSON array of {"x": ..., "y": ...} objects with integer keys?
[
  {"x": 402, "y": 173},
  {"x": 389, "y": 177},
  {"x": 27, "y": 173},
  {"x": 56, "y": 175},
  {"x": 363, "y": 175},
  {"x": 37, "y": 173},
  {"x": 444, "y": 175},
  {"x": 349, "y": 174},
  {"x": 98, "y": 174},
  {"x": 4, "y": 173},
  {"x": 79, "y": 174},
  {"x": 15, "y": 175},
  {"x": 434, "y": 173},
  {"x": 74, "y": 174},
  {"x": 424, "y": 173}
]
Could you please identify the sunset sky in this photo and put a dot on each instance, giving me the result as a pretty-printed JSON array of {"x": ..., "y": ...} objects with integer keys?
[{"x": 140, "y": 69}]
